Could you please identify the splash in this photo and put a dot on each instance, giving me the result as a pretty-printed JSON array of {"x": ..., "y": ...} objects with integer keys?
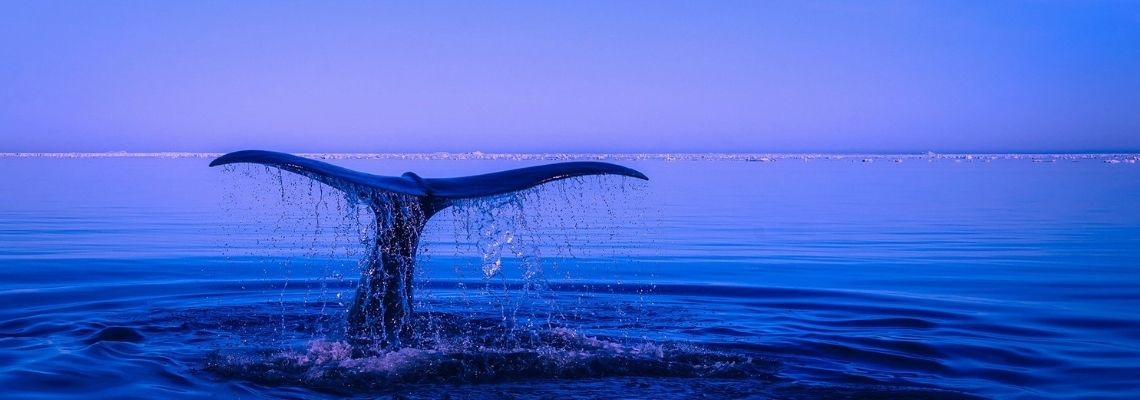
[
  {"x": 487, "y": 310},
  {"x": 468, "y": 357},
  {"x": 510, "y": 268}
]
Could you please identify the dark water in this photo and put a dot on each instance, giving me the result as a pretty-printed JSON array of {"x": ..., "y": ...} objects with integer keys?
[{"x": 162, "y": 278}]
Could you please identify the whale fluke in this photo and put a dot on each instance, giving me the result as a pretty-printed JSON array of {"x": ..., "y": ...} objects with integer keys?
[
  {"x": 381, "y": 310},
  {"x": 411, "y": 184}
]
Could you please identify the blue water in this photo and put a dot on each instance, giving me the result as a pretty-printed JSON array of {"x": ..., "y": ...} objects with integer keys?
[{"x": 162, "y": 278}]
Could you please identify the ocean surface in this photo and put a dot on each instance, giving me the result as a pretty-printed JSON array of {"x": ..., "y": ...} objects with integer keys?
[{"x": 918, "y": 277}]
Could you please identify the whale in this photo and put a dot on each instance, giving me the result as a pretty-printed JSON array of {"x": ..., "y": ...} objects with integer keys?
[{"x": 380, "y": 314}]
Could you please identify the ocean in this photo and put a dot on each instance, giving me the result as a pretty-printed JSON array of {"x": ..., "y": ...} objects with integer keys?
[{"x": 722, "y": 276}]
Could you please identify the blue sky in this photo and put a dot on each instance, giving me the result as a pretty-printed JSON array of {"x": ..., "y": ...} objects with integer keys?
[{"x": 619, "y": 76}]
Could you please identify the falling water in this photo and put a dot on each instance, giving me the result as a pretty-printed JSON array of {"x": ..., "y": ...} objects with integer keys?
[{"x": 497, "y": 292}]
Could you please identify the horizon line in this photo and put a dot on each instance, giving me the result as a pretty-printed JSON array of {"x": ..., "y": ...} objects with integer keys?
[{"x": 480, "y": 155}]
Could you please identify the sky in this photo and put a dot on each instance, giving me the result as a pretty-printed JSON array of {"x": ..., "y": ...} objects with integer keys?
[{"x": 570, "y": 76}]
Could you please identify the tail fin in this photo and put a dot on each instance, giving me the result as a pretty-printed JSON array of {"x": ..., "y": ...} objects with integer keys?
[
  {"x": 466, "y": 187},
  {"x": 381, "y": 312}
]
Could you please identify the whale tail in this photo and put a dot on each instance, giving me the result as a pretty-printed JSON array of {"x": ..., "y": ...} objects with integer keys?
[{"x": 402, "y": 206}]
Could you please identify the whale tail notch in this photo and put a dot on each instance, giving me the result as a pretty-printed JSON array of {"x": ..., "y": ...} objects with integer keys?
[{"x": 380, "y": 314}]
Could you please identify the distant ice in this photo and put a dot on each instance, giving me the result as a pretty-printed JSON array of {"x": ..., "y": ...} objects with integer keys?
[{"x": 1111, "y": 158}]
